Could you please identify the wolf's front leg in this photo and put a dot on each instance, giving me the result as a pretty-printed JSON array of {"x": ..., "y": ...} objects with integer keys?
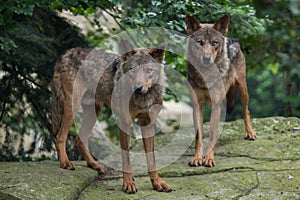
[
  {"x": 90, "y": 114},
  {"x": 198, "y": 124},
  {"x": 148, "y": 140},
  {"x": 129, "y": 186},
  {"x": 213, "y": 133}
]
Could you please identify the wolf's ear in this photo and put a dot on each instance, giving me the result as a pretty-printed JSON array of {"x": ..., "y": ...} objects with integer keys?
[
  {"x": 126, "y": 48},
  {"x": 222, "y": 24},
  {"x": 192, "y": 24},
  {"x": 158, "y": 53}
]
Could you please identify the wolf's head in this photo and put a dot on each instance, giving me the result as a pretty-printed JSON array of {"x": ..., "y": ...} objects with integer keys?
[
  {"x": 207, "y": 40},
  {"x": 143, "y": 66}
]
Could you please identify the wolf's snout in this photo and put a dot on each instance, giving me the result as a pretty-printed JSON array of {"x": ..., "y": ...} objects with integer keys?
[
  {"x": 138, "y": 88},
  {"x": 206, "y": 58}
]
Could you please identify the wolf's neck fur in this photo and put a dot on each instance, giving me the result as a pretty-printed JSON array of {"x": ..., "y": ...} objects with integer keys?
[{"x": 145, "y": 101}]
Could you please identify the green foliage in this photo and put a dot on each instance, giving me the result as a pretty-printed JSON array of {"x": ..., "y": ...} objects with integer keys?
[
  {"x": 26, "y": 70},
  {"x": 282, "y": 49}
]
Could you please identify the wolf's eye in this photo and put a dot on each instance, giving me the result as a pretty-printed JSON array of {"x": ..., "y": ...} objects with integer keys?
[
  {"x": 149, "y": 70},
  {"x": 132, "y": 69},
  {"x": 201, "y": 42},
  {"x": 215, "y": 43}
]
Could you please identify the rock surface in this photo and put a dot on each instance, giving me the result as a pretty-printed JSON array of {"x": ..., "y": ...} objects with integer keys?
[{"x": 268, "y": 168}]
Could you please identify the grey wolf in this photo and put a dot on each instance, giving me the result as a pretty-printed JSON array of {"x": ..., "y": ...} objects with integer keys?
[
  {"x": 216, "y": 69},
  {"x": 87, "y": 78}
]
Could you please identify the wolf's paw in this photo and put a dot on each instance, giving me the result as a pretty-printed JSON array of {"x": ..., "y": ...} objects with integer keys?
[
  {"x": 96, "y": 166},
  {"x": 196, "y": 162},
  {"x": 129, "y": 186},
  {"x": 208, "y": 162},
  {"x": 250, "y": 136},
  {"x": 67, "y": 165},
  {"x": 160, "y": 185}
]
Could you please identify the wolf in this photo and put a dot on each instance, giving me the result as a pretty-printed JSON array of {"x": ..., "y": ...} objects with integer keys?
[
  {"x": 216, "y": 69},
  {"x": 89, "y": 78}
]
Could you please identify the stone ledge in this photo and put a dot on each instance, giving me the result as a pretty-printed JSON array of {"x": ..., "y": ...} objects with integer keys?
[{"x": 268, "y": 168}]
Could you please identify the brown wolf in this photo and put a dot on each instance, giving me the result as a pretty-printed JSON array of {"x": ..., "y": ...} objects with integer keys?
[
  {"x": 88, "y": 78},
  {"x": 216, "y": 69}
]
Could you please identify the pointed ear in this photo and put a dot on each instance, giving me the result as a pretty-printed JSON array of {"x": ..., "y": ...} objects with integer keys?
[
  {"x": 222, "y": 24},
  {"x": 192, "y": 24},
  {"x": 126, "y": 48},
  {"x": 158, "y": 53}
]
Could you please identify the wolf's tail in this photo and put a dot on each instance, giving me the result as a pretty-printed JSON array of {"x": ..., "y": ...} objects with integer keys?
[
  {"x": 230, "y": 98},
  {"x": 57, "y": 104}
]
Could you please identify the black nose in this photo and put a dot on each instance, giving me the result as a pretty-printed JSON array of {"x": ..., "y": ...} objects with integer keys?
[
  {"x": 138, "y": 88},
  {"x": 206, "y": 58}
]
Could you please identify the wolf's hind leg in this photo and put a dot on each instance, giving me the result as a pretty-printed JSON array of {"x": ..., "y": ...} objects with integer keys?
[
  {"x": 243, "y": 92},
  {"x": 62, "y": 133}
]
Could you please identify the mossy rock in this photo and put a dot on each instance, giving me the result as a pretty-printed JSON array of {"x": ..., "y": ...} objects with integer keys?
[{"x": 267, "y": 168}]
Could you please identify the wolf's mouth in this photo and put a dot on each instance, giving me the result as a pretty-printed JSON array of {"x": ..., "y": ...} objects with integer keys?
[{"x": 140, "y": 89}]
